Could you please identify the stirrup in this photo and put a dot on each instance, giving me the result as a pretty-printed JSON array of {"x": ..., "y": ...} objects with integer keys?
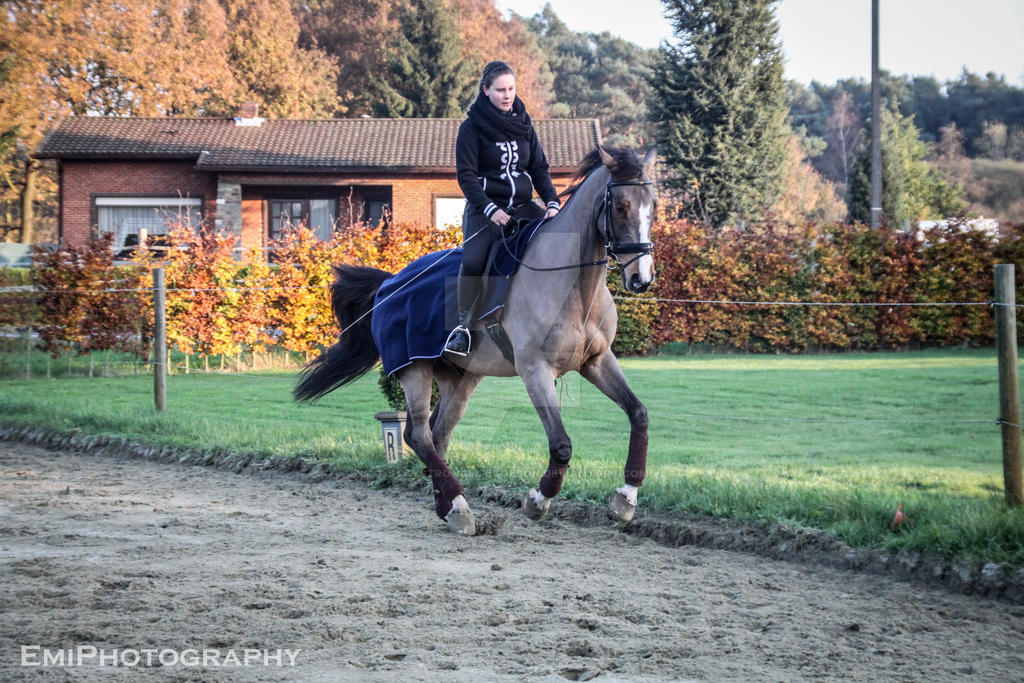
[{"x": 455, "y": 336}]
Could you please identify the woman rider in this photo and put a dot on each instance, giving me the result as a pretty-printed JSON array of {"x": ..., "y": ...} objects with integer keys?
[{"x": 499, "y": 162}]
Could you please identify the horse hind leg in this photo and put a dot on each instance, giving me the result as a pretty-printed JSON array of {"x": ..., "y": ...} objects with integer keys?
[
  {"x": 449, "y": 496},
  {"x": 455, "y": 388}
]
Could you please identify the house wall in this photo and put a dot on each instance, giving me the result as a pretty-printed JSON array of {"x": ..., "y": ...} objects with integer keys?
[
  {"x": 412, "y": 197},
  {"x": 84, "y": 180}
]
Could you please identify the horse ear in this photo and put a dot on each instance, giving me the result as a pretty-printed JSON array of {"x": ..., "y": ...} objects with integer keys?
[
  {"x": 607, "y": 159},
  {"x": 650, "y": 160}
]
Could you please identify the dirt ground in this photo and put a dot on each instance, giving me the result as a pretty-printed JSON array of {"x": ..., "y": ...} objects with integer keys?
[{"x": 134, "y": 554}]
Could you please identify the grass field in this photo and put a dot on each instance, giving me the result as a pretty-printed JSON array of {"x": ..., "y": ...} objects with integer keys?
[{"x": 832, "y": 442}]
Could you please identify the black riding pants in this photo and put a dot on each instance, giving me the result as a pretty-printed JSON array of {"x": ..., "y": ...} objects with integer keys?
[{"x": 479, "y": 233}]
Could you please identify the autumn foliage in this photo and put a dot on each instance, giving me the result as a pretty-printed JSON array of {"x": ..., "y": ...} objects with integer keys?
[
  {"x": 832, "y": 265},
  {"x": 218, "y": 304},
  {"x": 223, "y": 303},
  {"x": 82, "y": 302}
]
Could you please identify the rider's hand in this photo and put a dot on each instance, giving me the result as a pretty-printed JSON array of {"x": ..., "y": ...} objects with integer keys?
[
  {"x": 551, "y": 213},
  {"x": 500, "y": 217}
]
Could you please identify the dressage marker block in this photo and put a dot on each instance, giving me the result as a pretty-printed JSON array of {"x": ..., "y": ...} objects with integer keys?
[{"x": 392, "y": 425}]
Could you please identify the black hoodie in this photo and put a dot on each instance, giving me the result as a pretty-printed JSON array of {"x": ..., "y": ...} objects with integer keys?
[{"x": 499, "y": 161}]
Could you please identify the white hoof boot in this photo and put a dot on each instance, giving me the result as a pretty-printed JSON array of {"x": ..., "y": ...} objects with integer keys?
[
  {"x": 535, "y": 505},
  {"x": 460, "y": 518},
  {"x": 623, "y": 503}
]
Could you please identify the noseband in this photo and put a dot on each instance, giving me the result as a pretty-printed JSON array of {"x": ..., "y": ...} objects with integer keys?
[{"x": 611, "y": 240}]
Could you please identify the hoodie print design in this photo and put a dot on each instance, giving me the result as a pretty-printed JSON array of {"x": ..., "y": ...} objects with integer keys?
[{"x": 509, "y": 161}]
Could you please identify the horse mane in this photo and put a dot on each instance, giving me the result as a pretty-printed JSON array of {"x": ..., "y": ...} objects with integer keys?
[{"x": 627, "y": 167}]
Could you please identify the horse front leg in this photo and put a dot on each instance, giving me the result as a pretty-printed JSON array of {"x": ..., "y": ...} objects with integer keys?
[
  {"x": 605, "y": 373},
  {"x": 540, "y": 384},
  {"x": 449, "y": 499}
]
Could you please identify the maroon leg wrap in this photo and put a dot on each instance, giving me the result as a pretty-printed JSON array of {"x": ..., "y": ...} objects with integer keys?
[
  {"x": 551, "y": 482},
  {"x": 445, "y": 486},
  {"x": 636, "y": 459}
]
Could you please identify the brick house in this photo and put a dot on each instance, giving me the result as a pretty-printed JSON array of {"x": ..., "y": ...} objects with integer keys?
[{"x": 247, "y": 174}]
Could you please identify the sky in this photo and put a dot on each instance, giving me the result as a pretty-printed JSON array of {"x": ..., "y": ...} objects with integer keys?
[{"x": 827, "y": 40}]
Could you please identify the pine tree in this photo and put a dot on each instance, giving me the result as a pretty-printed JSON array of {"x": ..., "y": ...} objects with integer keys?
[
  {"x": 718, "y": 105},
  {"x": 597, "y": 75},
  {"x": 911, "y": 189},
  {"x": 424, "y": 73}
]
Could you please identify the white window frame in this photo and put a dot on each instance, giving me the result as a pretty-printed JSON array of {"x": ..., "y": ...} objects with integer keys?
[{"x": 169, "y": 205}]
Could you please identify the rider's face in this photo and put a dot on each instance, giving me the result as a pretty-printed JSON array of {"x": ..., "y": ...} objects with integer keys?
[{"x": 502, "y": 92}]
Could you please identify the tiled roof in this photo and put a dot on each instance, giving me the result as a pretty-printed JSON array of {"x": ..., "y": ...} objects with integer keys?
[{"x": 295, "y": 144}]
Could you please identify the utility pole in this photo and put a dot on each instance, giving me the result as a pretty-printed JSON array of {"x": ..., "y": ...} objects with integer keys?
[{"x": 876, "y": 124}]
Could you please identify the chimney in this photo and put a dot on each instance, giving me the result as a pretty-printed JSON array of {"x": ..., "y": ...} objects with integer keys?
[{"x": 248, "y": 115}]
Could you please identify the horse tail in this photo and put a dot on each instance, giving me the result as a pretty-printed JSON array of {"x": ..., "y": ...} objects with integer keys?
[{"x": 355, "y": 352}]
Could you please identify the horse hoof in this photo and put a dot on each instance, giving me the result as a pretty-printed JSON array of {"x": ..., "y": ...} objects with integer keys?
[
  {"x": 622, "y": 509},
  {"x": 461, "y": 523},
  {"x": 532, "y": 510}
]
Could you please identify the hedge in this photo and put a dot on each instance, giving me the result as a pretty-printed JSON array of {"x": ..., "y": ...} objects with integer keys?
[
  {"x": 826, "y": 265},
  {"x": 220, "y": 305}
]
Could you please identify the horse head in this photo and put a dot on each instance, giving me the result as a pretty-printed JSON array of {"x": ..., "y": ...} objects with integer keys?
[{"x": 628, "y": 213}]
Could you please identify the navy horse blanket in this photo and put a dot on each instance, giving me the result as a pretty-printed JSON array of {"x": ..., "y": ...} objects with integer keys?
[{"x": 415, "y": 309}]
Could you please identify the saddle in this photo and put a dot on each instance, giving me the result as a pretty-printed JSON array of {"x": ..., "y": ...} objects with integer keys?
[{"x": 416, "y": 308}]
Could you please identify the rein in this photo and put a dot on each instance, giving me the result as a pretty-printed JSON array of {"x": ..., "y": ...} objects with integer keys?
[{"x": 611, "y": 243}]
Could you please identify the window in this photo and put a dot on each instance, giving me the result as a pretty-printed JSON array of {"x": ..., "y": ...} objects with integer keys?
[
  {"x": 319, "y": 214},
  {"x": 448, "y": 211},
  {"x": 375, "y": 211},
  {"x": 125, "y": 217}
]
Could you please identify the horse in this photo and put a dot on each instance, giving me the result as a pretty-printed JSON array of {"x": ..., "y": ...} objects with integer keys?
[{"x": 559, "y": 316}]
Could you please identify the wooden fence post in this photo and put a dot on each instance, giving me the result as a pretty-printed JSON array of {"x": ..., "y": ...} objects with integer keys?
[
  {"x": 1009, "y": 389},
  {"x": 159, "y": 340}
]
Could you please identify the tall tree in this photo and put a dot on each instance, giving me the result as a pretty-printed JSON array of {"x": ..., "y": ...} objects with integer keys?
[
  {"x": 359, "y": 33},
  {"x": 948, "y": 158},
  {"x": 47, "y": 50},
  {"x": 354, "y": 32},
  {"x": 424, "y": 75},
  {"x": 597, "y": 76},
  {"x": 975, "y": 100},
  {"x": 911, "y": 189},
  {"x": 485, "y": 35},
  {"x": 285, "y": 79},
  {"x": 148, "y": 58},
  {"x": 718, "y": 100},
  {"x": 842, "y": 135},
  {"x": 968, "y": 101},
  {"x": 805, "y": 196}
]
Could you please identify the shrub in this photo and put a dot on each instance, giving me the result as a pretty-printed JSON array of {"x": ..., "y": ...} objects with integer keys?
[
  {"x": 395, "y": 395},
  {"x": 634, "y": 334},
  {"x": 832, "y": 263},
  {"x": 79, "y": 302},
  {"x": 18, "y": 305},
  {"x": 218, "y": 305},
  {"x": 202, "y": 297}
]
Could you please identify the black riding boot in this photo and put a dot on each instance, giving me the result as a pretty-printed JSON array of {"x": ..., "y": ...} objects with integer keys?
[{"x": 468, "y": 291}]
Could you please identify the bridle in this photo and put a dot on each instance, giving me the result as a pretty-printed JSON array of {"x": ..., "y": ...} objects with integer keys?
[
  {"x": 612, "y": 244},
  {"x": 611, "y": 240}
]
